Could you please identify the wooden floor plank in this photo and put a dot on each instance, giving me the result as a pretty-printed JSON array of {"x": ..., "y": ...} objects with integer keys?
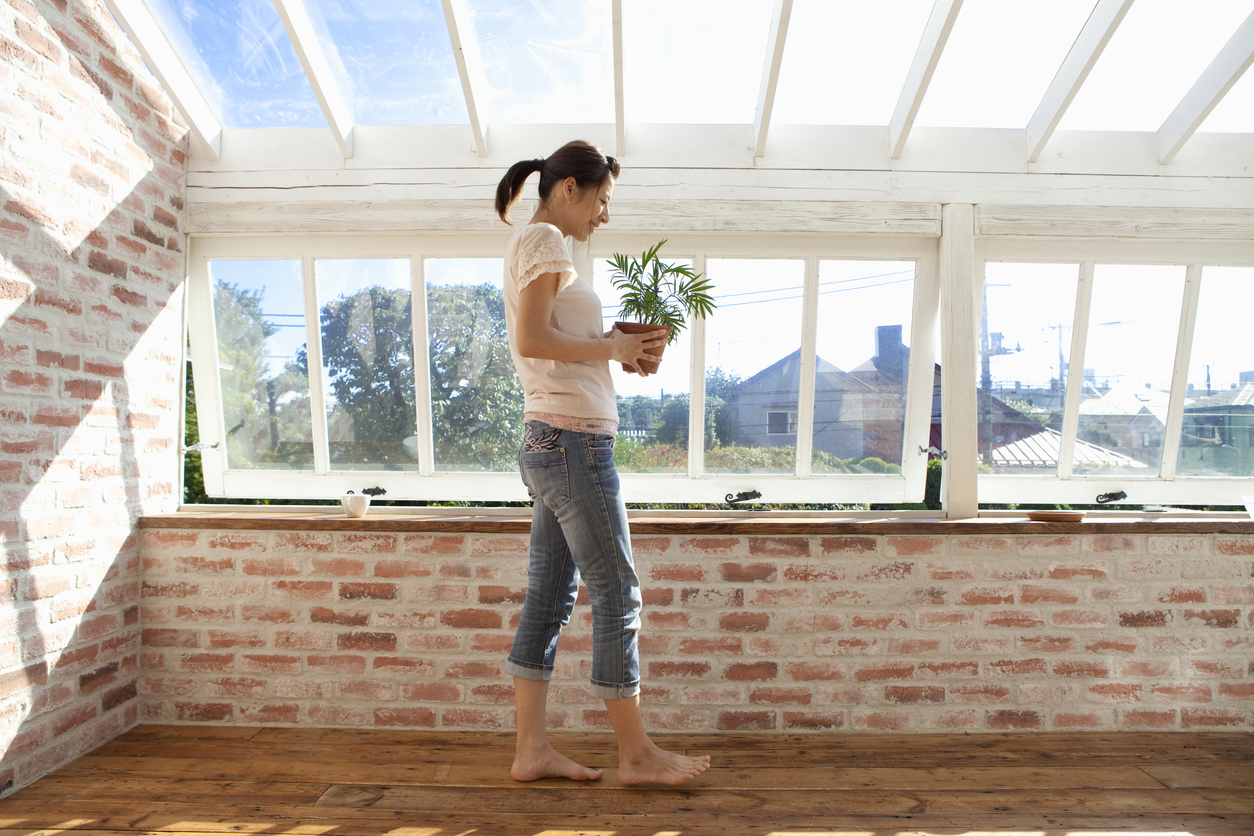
[{"x": 209, "y": 781}]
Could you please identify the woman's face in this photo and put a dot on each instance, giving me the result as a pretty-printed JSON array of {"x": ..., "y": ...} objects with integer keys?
[{"x": 589, "y": 210}]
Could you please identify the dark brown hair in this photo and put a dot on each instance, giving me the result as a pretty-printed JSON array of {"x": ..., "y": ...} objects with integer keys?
[{"x": 578, "y": 159}]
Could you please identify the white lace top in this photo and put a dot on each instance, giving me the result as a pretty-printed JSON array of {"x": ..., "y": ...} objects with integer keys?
[{"x": 554, "y": 388}]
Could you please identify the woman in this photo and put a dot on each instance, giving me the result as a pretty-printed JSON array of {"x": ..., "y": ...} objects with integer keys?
[{"x": 579, "y": 522}]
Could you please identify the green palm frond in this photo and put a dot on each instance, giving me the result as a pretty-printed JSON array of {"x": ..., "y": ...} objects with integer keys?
[{"x": 659, "y": 293}]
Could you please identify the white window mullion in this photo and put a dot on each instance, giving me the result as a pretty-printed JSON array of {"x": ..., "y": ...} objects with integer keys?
[
  {"x": 959, "y": 315},
  {"x": 422, "y": 367},
  {"x": 919, "y": 394},
  {"x": 809, "y": 351},
  {"x": 313, "y": 356},
  {"x": 1075, "y": 371},
  {"x": 1180, "y": 372},
  {"x": 696, "y": 389},
  {"x": 202, "y": 334}
]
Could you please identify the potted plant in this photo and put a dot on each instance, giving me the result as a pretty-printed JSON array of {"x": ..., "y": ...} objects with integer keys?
[{"x": 656, "y": 293}]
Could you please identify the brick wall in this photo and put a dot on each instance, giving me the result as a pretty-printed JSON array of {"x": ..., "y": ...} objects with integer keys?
[
  {"x": 785, "y": 634},
  {"x": 91, "y": 184}
]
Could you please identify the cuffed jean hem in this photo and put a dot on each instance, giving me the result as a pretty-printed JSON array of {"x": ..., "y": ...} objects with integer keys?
[
  {"x": 521, "y": 671},
  {"x": 614, "y": 692}
]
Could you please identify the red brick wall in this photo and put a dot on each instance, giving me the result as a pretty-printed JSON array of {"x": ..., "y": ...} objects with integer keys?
[
  {"x": 91, "y": 184},
  {"x": 788, "y": 634}
]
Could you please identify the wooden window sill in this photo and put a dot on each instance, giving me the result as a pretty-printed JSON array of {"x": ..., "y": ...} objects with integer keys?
[{"x": 768, "y": 524}]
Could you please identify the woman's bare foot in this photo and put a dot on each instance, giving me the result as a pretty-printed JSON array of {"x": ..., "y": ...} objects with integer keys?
[
  {"x": 547, "y": 762},
  {"x": 658, "y": 766}
]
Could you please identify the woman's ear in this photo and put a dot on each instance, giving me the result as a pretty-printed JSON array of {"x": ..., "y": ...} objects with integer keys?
[{"x": 570, "y": 189}]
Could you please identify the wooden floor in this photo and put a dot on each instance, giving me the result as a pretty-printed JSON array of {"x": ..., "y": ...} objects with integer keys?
[{"x": 337, "y": 782}]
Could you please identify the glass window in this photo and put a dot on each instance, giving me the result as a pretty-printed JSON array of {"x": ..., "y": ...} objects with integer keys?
[
  {"x": 871, "y": 42},
  {"x": 991, "y": 33},
  {"x": 862, "y": 366},
  {"x": 476, "y": 399},
  {"x": 753, "y": 364},
  {"x": 1023, "y": 351},
  {"x": 367, "y": 362},
  {"x": 546, "y": 63},
  {"x": 1128, "y": 362},
  {"x": 693, "y": 63},
  {"x": 652, "y": 411},
  {"x": 1154, "y": 57},
  {"x": 398, "y": 59},
  {"x": 259, "y": 316},
  {"x": 1235, "y": 112},
  {"x": 241, "y": 59},
  {"x": 1219, "y": 406}
]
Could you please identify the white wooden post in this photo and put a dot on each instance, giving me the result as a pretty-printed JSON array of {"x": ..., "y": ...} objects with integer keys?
[{"x": 959, "y": 432}]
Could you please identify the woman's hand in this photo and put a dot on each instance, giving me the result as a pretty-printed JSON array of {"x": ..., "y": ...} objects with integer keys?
[{"x": 629, "y": 349}]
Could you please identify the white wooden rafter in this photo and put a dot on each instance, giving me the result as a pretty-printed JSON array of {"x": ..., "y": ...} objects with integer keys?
[
  {"x": 939, "y": 24},
  {"x": 770, "y": 74},
  {"x": 620, "y": 124},
  {"x": 332, "y": 91},
  {"x": 469, "y": 66},
  {"x": 1089, "y": 44},
  {"x": 1209, "y": 89},
  {"x": 147, "y": 36}
]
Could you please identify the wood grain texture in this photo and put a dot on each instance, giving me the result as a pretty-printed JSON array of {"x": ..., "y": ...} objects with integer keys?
[{"x": 189, "y": 780}]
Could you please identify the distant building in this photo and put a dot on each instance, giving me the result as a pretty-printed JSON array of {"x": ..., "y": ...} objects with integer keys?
[{"x": 1218, "y": 433}]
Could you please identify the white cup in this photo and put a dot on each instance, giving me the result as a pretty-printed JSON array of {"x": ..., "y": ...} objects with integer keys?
[{"x": 355, "y": 505}]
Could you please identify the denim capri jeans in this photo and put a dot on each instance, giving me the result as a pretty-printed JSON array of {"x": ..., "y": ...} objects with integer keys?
[{"x": 578, "y": 531}]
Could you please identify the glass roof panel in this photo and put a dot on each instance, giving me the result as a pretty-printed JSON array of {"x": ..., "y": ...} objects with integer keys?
[
  {"x": 238, "y": 53},
  {"x": 845, "y": 63},
  {"x": 1156, "y": 55},
  {"x": 999, "y": 61},
  {"x": 399, "y": 60},
  {"x": 545, "y": 63},
  {"x": 693, "y": 63},
  {"x": 1235, "y": 111}
]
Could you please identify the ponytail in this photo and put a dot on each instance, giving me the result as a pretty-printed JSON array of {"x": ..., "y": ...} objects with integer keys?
[{"x": 577, "y": 159}]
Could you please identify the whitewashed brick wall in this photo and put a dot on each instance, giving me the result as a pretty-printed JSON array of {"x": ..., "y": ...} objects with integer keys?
[
  {"x": 785, "y": 634},
  {"x": 91, "y": 186}
]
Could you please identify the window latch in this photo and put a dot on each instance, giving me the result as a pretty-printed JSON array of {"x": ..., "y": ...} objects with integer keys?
[
  {"x": 204, "y": 445},
  {"x": 743, "y": 496},
  {"x": 373, "y": 492},
  {"x": 1113, "y": 496},
  {"x": 944, "y": 454}
]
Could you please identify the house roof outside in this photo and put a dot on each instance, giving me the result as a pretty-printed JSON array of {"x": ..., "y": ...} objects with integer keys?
[{"x": 1040, "y": 450}]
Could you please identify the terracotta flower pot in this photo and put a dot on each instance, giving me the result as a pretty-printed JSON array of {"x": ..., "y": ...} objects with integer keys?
[{"x": 642, "y": 328}]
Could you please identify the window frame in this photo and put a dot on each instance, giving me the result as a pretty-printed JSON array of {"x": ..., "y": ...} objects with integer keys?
[
  {"x": 1162, "y": 488},
  {"x": 694, "y": 486}
]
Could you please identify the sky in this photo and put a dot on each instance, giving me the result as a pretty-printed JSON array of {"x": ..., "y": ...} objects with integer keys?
[{"x": 700, "y": 61}]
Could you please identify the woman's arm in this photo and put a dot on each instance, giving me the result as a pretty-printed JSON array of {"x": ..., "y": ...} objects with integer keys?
[{"x": 539, "y": 340}]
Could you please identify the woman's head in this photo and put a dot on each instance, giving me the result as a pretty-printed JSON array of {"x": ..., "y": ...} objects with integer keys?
[{"x": 578, "y": 160}]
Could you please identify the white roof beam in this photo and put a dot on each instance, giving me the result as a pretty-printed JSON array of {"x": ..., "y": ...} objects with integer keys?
[
  {"x": 1211, "y": 86},
  {"x": 1097, "y": 32},
  {"x": 931, "y": 45},
  {"x": 770, "y": 74},
  {"x": 620, "y": 124},
  {"x": 329, "y": 86},
  {"x": 469, "y": 66},
  {"x": 163, "y": 60}
]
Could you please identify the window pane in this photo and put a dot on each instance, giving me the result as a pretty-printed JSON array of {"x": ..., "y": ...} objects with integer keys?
[
  {"x": 264, "y": 374},
  {"x": 753, "y": 362},
  {"x": 1025, "y": 345},
  {"x": 863, "y": 363},
  {"x": 872, "y": 42},
  {"x": 546, "y": 63},
  {"x": 653, "y": 410},
  {"x": 240, "y": 56},
  {"x": 693, "y": 63},
  {"x": 1128, "y": 359},
  {"x": 1218, "y": 431},
  {"x": 398, "y": 59},
  {"x": 991, "y": 33},
  {"x": 368, "y": 362},
  {"x": 476, "y": 399}
]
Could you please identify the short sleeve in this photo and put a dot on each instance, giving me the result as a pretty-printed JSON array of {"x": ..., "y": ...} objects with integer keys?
[{"x": 543, "y": 250}]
